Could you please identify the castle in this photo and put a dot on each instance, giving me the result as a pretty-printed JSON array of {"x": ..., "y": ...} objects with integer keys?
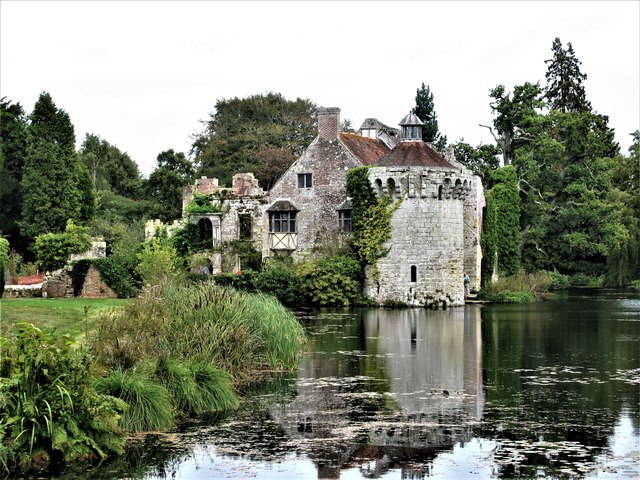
[{"x": 435, "y": 235}]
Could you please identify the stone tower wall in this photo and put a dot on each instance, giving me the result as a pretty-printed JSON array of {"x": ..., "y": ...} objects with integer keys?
[{"x": 427, "y": 232}]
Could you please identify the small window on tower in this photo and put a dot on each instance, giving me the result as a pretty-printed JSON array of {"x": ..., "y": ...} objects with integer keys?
[
  {"x": 414, "y": 273},
  {"x": 304, "y": 180},
  {"x": 344, "y": 220}
]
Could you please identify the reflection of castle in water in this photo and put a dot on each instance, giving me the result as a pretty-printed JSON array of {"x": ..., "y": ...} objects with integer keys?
[{"x": 403, "y": 386}]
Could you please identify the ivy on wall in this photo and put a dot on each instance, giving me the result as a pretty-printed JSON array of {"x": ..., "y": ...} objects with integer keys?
[{"x": 115, "y": 275}]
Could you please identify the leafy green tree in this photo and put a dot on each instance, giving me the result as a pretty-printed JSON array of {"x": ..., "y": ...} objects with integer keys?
[
  {"x": 54, "y": 249},
  {"x": 481, "y": 160},
  {"x": 514, "y": 114},
  {"x": 240, "y": 128},
  {"x": 504, "y": 195},
  {"x": 166, "y": 183},
  {"x": 158, "y": 262},
  {"x": 425, "y": 110},
  {"x": 13, "y": 152},
  {"x": 110, "y": 168},
  {"x": 623, "y": 263},
  {"x": 52, "y": 124},
  {"x": 565, "y": 90},
  {"x": 569, "y": 220}
]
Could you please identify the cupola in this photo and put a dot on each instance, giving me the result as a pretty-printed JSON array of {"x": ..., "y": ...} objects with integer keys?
[{"x": 411, "y": 127}]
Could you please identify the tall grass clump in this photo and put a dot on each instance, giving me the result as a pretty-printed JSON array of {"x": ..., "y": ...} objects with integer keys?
[
  {"x": 521, "y": 287},
  {"x": 197, "y": 387},
  {"x": 240, "y": 333},
  {"x": 150, "y": 406},
  {"x": 278, "y": 329}
]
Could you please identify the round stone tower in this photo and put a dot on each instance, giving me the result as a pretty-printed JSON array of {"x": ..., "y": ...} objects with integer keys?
[{"x": 425, "y": 263}]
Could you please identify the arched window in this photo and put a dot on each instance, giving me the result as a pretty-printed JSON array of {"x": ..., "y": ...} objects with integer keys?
[
  {"x": 378, "y": 186},
  {"x": 391, "y": 187},
  {"x": 414, "y": 273},
  {"x": 440, "y": 192}
]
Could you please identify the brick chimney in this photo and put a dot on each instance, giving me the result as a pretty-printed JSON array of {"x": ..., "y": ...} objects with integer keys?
[{"x": 329, "y": 123}]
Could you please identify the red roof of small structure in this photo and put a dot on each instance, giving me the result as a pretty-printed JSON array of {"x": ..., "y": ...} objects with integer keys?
[
  {"x": 413, "y": 154},
  {"x": 367, "y": 150}
]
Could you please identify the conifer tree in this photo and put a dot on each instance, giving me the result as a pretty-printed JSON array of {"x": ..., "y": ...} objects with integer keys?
[
  {"x": 565, "y": 91},
  {"x": 425, "y": 111}
]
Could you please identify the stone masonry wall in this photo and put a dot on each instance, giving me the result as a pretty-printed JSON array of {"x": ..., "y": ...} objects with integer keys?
[
  {"x": 427, "y": 233},
  {"x": 94, "y": 286}
]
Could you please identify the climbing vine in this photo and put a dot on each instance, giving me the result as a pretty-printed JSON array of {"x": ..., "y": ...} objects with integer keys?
[{"x": 361, "y": 194}]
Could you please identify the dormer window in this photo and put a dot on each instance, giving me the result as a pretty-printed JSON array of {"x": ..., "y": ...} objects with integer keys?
[{"x": 305, "y": 180}]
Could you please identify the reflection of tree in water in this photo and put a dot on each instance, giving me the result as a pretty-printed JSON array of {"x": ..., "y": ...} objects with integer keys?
[{"x": 555, "y": 391}]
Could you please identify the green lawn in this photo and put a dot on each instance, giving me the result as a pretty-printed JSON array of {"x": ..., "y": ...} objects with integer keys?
[{"x": 64, "y": 315}]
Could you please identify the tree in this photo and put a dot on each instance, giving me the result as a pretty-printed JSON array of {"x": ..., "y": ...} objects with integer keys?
[
  {"x": 564, "y": 89},
  {"x": 271, "y": 163},
  {"x": 13, "y": 152},
  {"x": 425, "y": 111},
  {"x": 110, "y": 168},
  {"x": 166, "y": 183},
  {"x": 54, "y": 249},
  {"x": 55, "y": 185},
  {"x": 514, "y": 113},
  {"x": 240, "y": 128},
  {"x": 481, "y": 160}
]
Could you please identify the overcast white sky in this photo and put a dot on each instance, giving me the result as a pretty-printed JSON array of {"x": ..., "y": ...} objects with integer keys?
[{"x": 143, "y": 74}]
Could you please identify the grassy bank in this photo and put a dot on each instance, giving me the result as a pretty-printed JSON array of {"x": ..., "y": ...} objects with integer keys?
[{"x": 65, "y": 315}]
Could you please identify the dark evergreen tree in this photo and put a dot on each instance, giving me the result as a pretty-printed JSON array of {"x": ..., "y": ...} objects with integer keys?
[
  {"x": 13, "y": 153},
  {"x": 166, "y": 183},
  {"x": 425, "y": 111},
  {"x": 55, "y": 185},
  {"x": 565, "y": 90}
]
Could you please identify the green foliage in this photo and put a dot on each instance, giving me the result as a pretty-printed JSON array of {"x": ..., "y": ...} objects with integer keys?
[
  {"x": 244, "y": 135},
  {"x": 374, "y": 232},
  {"x": 520, "y": 287},
  {"x": 50, "y": 408},
  {"x": 481, "y": 160},
  {"x": 557, "y": 281},
  {"x": 158, "y": 262},
  {"x": 425, "y": 111},
  {"x": 279, "y": 279},
  {"x": 332, "y": 281},
  {"x": 150, "y": 407},
  {"x": 110, "y": 169},
  {"x": 202, "y": 204},
  {"x": 4, "y": 260},
  {"x": 505, "y": 196},
  {"x": 196, "y": 387},
  {"x": 166, "y": 183},
  {"x": 113, "y": 273},
  {"x": 53, "y": 249},
  {"x": 239, "y": 333},
  {"x": 13, "y": 152},
  {"x": 564, "y": 90},
  {"x": 114, "y": 208},
  {"x": 244, "y": 281},
  {"x": 360, "y": 191},
  {"x": 191, "y": 238},
  {"x": 52, "y": 124}
]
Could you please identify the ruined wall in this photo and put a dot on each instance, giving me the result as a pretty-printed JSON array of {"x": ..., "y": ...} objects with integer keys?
[
  {"x": 230, "y": 227},
  {"x": 427, "y": 233},
  {"x": 94, "y": 286}
]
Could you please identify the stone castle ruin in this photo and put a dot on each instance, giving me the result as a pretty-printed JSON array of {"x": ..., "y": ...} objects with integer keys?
[{"x": 435, "y": 230}]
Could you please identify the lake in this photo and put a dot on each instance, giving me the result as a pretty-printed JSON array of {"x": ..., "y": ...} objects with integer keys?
[{"x": 547, "y": 390}]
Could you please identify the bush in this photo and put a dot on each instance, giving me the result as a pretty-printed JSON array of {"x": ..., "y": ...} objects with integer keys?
[
  {"x": 53, "y": 249},
  {"x": 330, "y": 281},
  {"x": 585, "y": 280},
  {"x": 158, "y": 262},
  {"x": 115, "y": 275},
  {"x": 244, "y": 281},
  {"x": 557, "y": 281},
  {"x": 279, "y": 279},
  {"x": 519, "y": 288},
  {"x": 50, "y": 409}
]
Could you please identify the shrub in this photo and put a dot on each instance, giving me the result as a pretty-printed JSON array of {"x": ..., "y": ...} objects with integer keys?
[
  {"x": 115, "y": 275},
  {"x": 557, "y": 281},
  {"x": 519, "y": 288},
  {"x": 279, "y": 279},
  {"x": 50, "y": 409},
  {"x": 330, "y": 281},
  {"x": 158, "y": 262},
  {"x": 244, "y": 281},
  {"x": 53, "y": 249}
]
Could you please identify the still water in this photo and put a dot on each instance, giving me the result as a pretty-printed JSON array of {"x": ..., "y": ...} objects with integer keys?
[{"x": 547, "y": 390}]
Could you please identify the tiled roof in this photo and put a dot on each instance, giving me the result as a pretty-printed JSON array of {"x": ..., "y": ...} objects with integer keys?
[
  {"x": 413, "y": 154},
  {"x": 367, "y": 150}
]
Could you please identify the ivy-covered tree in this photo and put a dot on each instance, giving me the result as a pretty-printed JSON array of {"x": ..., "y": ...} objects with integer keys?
[
  {"x": 55, "y": 185},
  {"x": 110, "y": 168},
  {"x": 241, "y": 127},
  {"x": 166, "y": 183},
  {"x": 425, "y": 110},
  {"x": 565, "y": 90},
  {"x": 13, "y": 153}
]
